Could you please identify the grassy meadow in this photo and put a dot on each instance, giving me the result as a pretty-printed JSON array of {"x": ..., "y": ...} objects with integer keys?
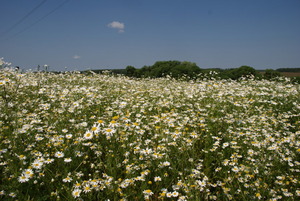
[{"x": 101, "y": 137}]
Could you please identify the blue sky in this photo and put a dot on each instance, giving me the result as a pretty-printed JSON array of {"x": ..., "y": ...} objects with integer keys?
[{"x": 101, "y": 34}]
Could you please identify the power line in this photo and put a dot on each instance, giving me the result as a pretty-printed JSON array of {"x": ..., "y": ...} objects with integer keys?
[
  {"x": 42, "y": 18},
  {"x": 23, "y": 18}
]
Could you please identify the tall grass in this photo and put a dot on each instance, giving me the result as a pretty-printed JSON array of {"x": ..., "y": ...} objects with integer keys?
[{"x": 98, "y": 137}]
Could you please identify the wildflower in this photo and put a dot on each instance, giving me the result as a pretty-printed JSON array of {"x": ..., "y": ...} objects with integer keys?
[
  {"x": 2, "y": 82},
  {"x": 148, "y": 192},
  {"x": 76, "y": 193},
  {"x": 113, "y": 123},
  {"x": 169, "y": 194},
  {"x": 23, "y": 178},
  {"x": 194, "y": 135},
  {"x": 235, "y": 169},
  {"x": 100, "y": 122},
  {"x": 123, "y": 104},
  {"x": 49, "y": 160},
  {"x": 175, "y": 194},
  {"x": 95, "y": 129},
  {"x": 140, "y": 178},
  {"x": 109, "y": 131},
  {"x": 59, "y": 154},
  {"x": 12, "y": 195},
  {"x": 258, "y": 196},
  {"x": 86, "y": 188},
  {"x": 67, "y": 179},
  {"x": 37, "y": 164},
  {"x": 88, "y": 135},
  {"x": 67, "y": 160},
  {"x": 84, "y": 124},
  {"x": 225, "y": 162},
  {"x": 146, "y": 151},
  {"x": 201, "y": 183},
  {"x": 166, "y": 163},
  {"x": 226, "y": 144},
  {"x": 218, "y": 169},
  {"x": 156, "y": 179},
  {"x": 78, "y": 153},
  {"x": 22, "y": 157},
  {"x": 28, "y": 173},
  {"x": 77, "y": 185},
  {"x": 69, "y": 136},
  {"x": 182, "y": 198}
]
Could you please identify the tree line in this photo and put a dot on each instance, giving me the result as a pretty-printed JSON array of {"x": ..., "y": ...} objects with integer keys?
[
  {"x": 178, "y": 69},
  {"x": 185, "y": 69}
]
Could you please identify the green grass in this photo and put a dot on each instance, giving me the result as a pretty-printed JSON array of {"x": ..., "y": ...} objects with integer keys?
[{"x": 98, "y": 137}]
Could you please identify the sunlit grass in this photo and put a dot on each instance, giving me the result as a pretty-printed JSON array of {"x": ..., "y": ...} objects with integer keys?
[{"x": 98, "y": 137}]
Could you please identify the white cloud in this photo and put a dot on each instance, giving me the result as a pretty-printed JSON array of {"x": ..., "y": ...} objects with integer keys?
[
  {"x": 76, "y": 56},
  {"x": 117, "y": 25}
]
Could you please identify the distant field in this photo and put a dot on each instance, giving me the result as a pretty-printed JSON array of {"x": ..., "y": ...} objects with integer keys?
[
  {"x": 287, "y": 74},
  {"x": 291, "y": 74}
]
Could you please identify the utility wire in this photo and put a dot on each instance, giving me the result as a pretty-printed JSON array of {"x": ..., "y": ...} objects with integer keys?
[
  {"x": 23, "y": 18},
  {"x": 42, "y": 18}
]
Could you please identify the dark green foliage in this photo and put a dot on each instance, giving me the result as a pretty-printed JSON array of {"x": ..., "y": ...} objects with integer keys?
[
  {"x": 174, "y": 69},
  {"x": 296, "y": 80},
  {"x": 144, "y": 71},
  {"x": 189, "y": 70},
  {"x": 130, "y": 71},
  {"x": 118, "y": 71},
  {"x": 237, "y": 73},
  {"x": 270, "y": 73},
  {"x": 242, "y": 72}
]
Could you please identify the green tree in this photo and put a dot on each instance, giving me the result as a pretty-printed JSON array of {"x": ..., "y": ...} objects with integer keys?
[
  {"x": 270, "y": 73},
  {"x": 237, "y": 73},
  {"x": 175, "y": 69},
  {"x": 130, "y": 71}
]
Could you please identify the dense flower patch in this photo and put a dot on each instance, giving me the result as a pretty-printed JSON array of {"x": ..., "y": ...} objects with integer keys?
[{"x": 98, "y": 137}]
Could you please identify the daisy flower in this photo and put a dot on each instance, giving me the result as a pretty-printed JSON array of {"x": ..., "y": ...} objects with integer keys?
[
  {"x": 156, "y": 179},
  {"x": 88, "y": 135},
  {"x": 49, "y": 160},
  {"x": 23, "y": 178},
  {"x": 59, "y": 154},
  {"x": 86, "y": 189},
  {"x": 175, "y": 194},
  {"x": 148, "y": 192},
  {"x": 109, "y": 131},
  {"x": 69, "y": 136},
  {"x": 28, "y": 173},
  {"x": 95, "y": 129},
  {"x": 67, "y": 160},
  {"x": 76, "y": 193},
  {"x": 67, "y": 179},
  {"x": 37, "y": 165}
]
